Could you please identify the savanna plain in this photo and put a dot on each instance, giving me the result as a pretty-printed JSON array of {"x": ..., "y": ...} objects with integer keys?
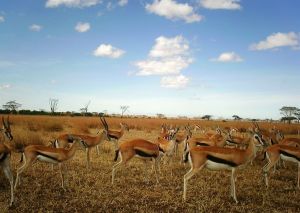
[{"x": 136, "y": 190}]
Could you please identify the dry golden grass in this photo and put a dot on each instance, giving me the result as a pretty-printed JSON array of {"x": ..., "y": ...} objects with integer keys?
[{"x": 91, "y": 190}]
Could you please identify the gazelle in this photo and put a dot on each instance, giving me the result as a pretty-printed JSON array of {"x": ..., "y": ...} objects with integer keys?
[
  {"x": 114, "y": 135},
  {"x": 287, "y": 153},
  {"x": 5, "y": 152},
  {"x": 214, "y": 140},
  {"x": 220, "y": 158},
  {"x": 140, "y": 148},
  {"x": 182, "y": 138},
  {"x": 88, "y": 142},
  {"x": 33, "y": 153}
]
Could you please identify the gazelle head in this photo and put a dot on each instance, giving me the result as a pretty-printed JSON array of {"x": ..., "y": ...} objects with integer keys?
[
  {"x": 6, "y": 128},
  {"x": 124, "y": 126},
  {"x": 259, "y": 139}
]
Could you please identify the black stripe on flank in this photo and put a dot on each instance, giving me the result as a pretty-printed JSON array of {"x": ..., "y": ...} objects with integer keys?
[
  {"x": 144, "y": 154},
  {"x": 230, "y": 141},
  {"x": 161, "y": 150},
  {"x": 220, "y": 160},
  {"x": 47, "y": 156},
  {"x": 289, "y": 155},
  {"x": 3, "y": 157},
  {"x": 201, "y": 144},
  {"x": 112, "y": 136}
]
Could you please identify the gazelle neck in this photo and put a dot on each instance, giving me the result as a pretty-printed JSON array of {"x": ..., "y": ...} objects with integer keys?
[{"x": 73, "y": 149}]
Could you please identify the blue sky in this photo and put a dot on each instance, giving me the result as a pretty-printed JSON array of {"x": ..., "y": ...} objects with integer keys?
[{"x": 176, "y": 57}]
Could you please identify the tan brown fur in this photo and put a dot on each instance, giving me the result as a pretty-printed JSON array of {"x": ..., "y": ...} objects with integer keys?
[
  {"x": 32, "y": 152},
  {"x": 129, "y": 149}
]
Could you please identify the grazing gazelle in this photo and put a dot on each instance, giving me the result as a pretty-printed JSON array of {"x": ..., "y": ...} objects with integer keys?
[
  {"x": 287, "y": 153},
  {"x": 140, "y": 148},
  {"x": 114, "y": 135},
  {"x": 32, "y": 153},
  {"x": 220, "y": 158},
  {"x": 88, "y": 142},
  {"x": 5, "y": 152}
]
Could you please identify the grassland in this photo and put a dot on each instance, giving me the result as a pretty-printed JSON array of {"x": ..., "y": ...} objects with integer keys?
[{"x": 91, "y": 190}]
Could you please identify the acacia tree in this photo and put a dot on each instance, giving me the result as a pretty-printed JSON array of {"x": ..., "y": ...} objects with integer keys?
[
  {"x": 236, "y": 117},
  {"x": 288, "y": 113},
  {"x": 123, "y": 110},
  {"x": 297, "y": 115},
  {"x": 84, "y": 110},
  {"x": 53, "y": 105},
  {"x": 12, "y": 106},
  {"x": 207, "y": 117}
]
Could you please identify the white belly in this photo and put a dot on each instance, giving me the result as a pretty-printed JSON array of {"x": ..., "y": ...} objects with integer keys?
[
  {"x": 217, "y": 166},
  {"x": 45, "y": 159},
  {"x": 287, "y": 158}
]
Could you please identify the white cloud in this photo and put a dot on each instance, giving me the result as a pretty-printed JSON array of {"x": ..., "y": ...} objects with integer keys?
[
  {"x": 173, "y": 10},
  {"x": 122, "y": 2},
  {"x": 176, "y": 82},
  {"x": 72, "y": 3},
  {"x": 5, "y": 86},
  {"x": 165, "y": 66},
  {"x": 107, "y": 50},
  {"x": 167, "y": 47},
  {"x": 2, "y": 19},
  {"x": 169, "y": 56},
  {"x": 277, "y": 40},
  {"x": 228, "y": 57},
  {"x": 221, "y": 4},
  {"x": 82, "y": 27},
  {"x": 35, "y": 28}
]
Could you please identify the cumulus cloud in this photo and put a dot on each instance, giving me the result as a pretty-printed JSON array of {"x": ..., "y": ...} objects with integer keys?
[
  {"x": 228, "y": 57},
  {"x": 173, "y": 10},
  {"x": 167, "y": 47},
  {"x": 221, "y": 4},
  {"x": 72, "y": 3},
  {"x": 4, "y": 86},
  {"x": 107, "y": 50},
  {"x": 176, "y": 82},
  {"x": 82, "y": 27},
  {"x": 122, "y": 2},
  {"x": 165, "y": 66},
  {"x": 2, "y": 19},
  {"x": 35, "y": 27},
  {"x": 277, "y": 40},
  {"x": 168, "y": 58}
]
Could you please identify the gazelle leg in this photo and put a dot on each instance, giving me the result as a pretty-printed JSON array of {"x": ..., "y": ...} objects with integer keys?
[
  {"x": 298, "y": 182},
  {"x": 156, "y": 166},
  {"x": 21, "y": 169},
  {"x": 114, "y": 169},
  {"x": 97, "y": 148},
  {"x": 9, "y": 175},
  {"x": 188, "y": 176},
  {"x": 62, "y": 175},
  {"x": 87, "y": 150},
  {"x": 233, "y": 192}
]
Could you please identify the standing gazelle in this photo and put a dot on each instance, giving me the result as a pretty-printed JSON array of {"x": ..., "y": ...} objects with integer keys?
[
  {"x": 287, "y": 153},
  {"x": 5, "y": 157},
  {"x": 114, "y": 135},
  {"x": 88, "y": 142},
  {"x": 220, "y": 158},
  {"x": 140, "y": 148},
  {"x": 32, "y": 153}
]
